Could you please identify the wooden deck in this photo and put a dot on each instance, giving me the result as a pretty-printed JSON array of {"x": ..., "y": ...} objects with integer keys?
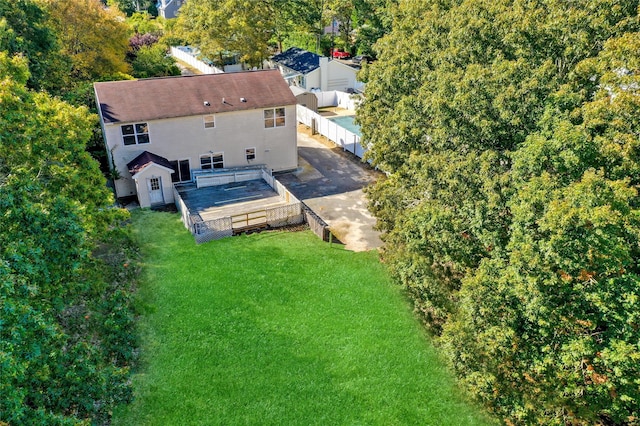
[{"x": 232, "y": 199}]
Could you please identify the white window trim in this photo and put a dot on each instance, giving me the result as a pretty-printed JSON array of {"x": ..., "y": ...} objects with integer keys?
[
  {"x": 210, "y": 155},
  {"x": 275, "y": 117},
  {"x": 246, "y": 154},
  {"x": 177, "y": 172},
  {"x": 135, "y": 134}
]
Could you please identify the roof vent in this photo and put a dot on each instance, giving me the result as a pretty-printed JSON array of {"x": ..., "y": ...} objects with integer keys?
[
  {"x": 224, "y": 101},
  {"x": 206, "y": 103},
  {"x": 243, "y": 99}
]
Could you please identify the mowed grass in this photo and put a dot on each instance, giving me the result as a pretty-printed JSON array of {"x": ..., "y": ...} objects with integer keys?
[{"x": 279, "y": 328}]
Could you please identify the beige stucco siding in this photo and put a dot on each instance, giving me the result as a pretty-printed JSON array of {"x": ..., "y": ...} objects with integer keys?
[{"x": 187, "y": 138}]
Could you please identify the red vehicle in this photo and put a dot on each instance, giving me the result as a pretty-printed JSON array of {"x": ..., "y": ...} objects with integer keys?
[{"x": 340, "y": 54}]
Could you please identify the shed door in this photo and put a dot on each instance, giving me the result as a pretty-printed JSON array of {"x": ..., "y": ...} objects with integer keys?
[{"x": 155, "y": 190}]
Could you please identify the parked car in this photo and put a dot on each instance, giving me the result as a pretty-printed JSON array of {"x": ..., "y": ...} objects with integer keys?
[
  {"x": 362, "y": 59},
  {"x": 341, "y": 54}
]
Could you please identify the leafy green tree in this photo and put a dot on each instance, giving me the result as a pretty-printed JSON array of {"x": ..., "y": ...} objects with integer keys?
[
  {"x": 131, "y": 7},
  {"x": 145, "y": 23},
  {"x": 152, "y": 61},
  {"x": 222, "y": 27},
  {"x": 94, "y": 37},
  {"x": 24, "y": 29},
  {"x": 508, "y": 132},
  {"x": 58, "y": 366},
  {"x": 342, "y": 12},
  {"x": 372, "y": 20},
  {"x": 128, "y": 7}
]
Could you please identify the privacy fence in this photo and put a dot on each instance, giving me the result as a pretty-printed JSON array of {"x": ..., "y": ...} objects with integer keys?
[
  {"x": 342, "y": 137},
  {"x": 332, "y": 98},
  {"x": 189, "y": 56}
]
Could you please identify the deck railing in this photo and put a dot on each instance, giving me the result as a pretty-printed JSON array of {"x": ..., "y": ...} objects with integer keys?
[{"x": 275, "y": 217}]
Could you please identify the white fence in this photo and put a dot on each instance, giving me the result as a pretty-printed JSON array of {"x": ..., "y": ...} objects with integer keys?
[
  {"x": 342, "y": 137},
  {"x": 344, "y": 100},
  {"x": 187, "y": 55},
  {"x": 182, "y": 208},
  {"x": 221, "y": 177}
]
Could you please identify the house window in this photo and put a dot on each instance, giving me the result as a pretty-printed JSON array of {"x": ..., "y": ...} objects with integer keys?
[
  {"x": 205, "y": 162},
  {"x": 274, "y": 117},
  {"x": 182, "y": 171},
  {"x": 212, "y": 161},
  {"x": 250, "y": 153},
  {"x": 218, "y": 161},
  {"x": 209, "y": 121},
  {"x": 135, "y": 134}
]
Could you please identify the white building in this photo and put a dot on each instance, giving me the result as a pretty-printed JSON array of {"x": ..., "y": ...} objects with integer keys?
[
  {"x": 159, "y": 131},
  {"x": 314, "y": 72}
]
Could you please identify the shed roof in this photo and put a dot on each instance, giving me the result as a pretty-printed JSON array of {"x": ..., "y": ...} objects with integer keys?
[
  {"x": 298, "y": 90},
  {"x": 145, "y": 160},
  {"x": 297, "y": 59},
  {"x": 156, "y": 98}
]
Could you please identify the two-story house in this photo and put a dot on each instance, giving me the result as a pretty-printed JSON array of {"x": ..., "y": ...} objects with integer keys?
[{"x": 159, "y": 131}]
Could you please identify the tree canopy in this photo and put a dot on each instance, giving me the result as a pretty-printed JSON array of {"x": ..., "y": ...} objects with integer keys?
[
  {"x": 24, "y": 30},
  {"x": 253, "y": 30},
  {"x": 66, "y": 288},
  {"x": 509, "y": 134},
  {"x": 94, "y": 37},
  {"x": 63, "y": 360}
]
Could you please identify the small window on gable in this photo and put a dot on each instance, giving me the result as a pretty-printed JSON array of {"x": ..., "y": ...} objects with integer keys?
[
  {"x": 209, "y": 121},
  {"x": 274, "y": 117},
  {"x": 250, "y": 153},
  {"x": 135, "y": 134},
  {"x": 280, "y": 117}
]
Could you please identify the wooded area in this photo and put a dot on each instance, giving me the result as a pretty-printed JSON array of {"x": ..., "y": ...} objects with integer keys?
[
  {"x": 509, "y": 131},
  {"x": 68, "y": 267}
]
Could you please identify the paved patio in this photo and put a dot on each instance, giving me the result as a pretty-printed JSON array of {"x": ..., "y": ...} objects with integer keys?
[{"x": 330, "y": 182}]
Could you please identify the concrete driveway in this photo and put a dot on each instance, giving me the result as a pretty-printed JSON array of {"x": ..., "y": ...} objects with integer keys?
[{"x": 330, "y": 182}]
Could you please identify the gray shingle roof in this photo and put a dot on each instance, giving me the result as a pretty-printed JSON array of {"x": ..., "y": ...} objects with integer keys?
[
  {"x": 156, "y": 98},
  {"x": 298, "y": 60}
]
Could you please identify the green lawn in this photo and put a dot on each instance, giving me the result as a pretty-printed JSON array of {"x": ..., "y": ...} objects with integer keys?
[{"x": 279, "y": 328}]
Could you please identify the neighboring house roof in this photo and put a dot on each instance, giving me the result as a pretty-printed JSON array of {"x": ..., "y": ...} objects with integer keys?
[
  {"x": 298, "y": 60},
  {"x": 129, "y": 101},
  {"x": 145, "y": 160}
]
